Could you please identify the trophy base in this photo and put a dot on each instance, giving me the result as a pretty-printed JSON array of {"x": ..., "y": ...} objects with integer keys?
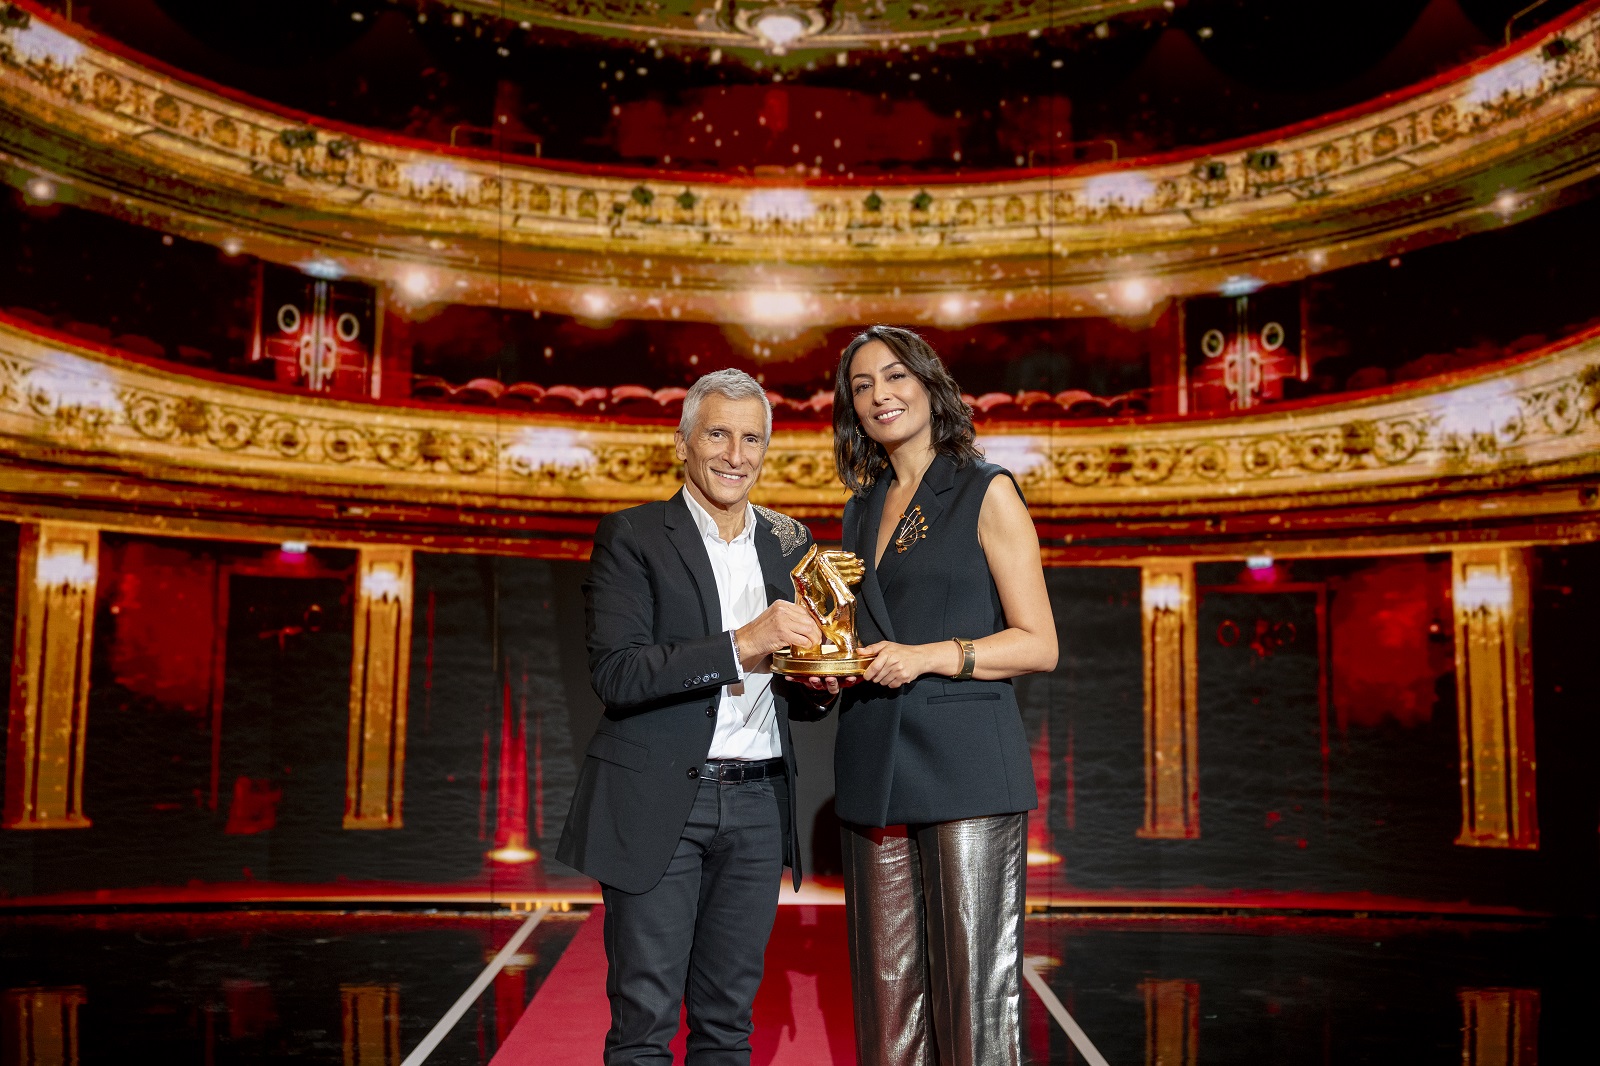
[{"x": 852, "y": 666}]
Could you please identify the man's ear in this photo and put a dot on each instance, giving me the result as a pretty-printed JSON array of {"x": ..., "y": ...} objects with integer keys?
[{"x": 680, "y": 446}]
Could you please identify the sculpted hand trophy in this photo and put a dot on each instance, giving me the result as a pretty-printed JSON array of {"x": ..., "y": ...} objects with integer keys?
[{"x": 822, "y": 582}]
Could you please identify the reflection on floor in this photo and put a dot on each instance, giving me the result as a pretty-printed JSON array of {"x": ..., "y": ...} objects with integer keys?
[{"x": 364, "y": 989}]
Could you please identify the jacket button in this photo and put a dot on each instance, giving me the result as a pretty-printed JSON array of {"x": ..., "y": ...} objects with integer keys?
[
  {"x": 694, "y": 772},
  {"x": 711, "y": 712}
]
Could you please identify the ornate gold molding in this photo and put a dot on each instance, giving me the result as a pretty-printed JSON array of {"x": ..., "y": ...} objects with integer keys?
[
  {"x": 1169, "y": 606},
  {"x": 57, "y": 570},
  {"x": 1521, "y": 423},
  {"x": 844, "y": 24},
  {"x": 1503, "y": 139},
  {"x": 1494, "y": 698},
  {"x": 379, "y": 689}
]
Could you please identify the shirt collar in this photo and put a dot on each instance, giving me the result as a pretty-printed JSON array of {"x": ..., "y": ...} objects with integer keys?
[{"x": 708, "y": 525}]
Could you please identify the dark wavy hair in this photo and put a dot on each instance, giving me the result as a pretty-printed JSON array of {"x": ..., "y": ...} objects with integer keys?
[{"x": 862, "y": 460}]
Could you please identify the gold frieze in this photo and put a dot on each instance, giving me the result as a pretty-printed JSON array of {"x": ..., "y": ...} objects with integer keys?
[
  {"x": 125, "y": 137},
  {"x": 1531, "y": 420}
]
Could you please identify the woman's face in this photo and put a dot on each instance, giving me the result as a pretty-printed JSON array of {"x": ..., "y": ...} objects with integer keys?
[{"x": 890, "y": 402}]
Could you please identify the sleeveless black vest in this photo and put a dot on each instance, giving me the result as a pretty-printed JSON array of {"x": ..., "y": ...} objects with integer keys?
[{"x": 935, "y": 750}]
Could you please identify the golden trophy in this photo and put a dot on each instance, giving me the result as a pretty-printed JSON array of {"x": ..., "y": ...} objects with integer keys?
[{"x": 822, "y": 583}]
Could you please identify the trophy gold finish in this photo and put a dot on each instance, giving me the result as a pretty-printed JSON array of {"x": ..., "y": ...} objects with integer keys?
[{"x": 822, "y": 583}]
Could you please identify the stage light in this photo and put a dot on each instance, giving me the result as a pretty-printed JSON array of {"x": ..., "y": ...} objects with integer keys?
[
  {"x": 776, "y": 306},
  {"x": 323, "y": 269},
  {"x": 1318, "y": 259},
  {"x": 1037, "y": 858},
  {"x": 1126, "y": 190},
  {"x": 780, "y": 29},
  {"x": 383, "y": 582},
  {"x": 1241, "y": 285},
  {"x": 786, "y": 205},
  {"x": 294, "y": 547},
  {"x": 416, "y": 284},
  {"x": 1483, "y": 588},
  {"x": 40, "y": 190},
  {"x": 1163, "y": 592},
  {"x": 595, "y": 304},
  {"x": 1506, "y": 202},
  {"x": 37, "y": 43},
  {"x": 1259, "y": 562},
  {"x": 1020, "y": 454},
  {"x": 512, "y": 854},
  {"x": 67, "y": 566},
  {"x": 232, "y": 246},
  {"x": 955, "y": 310},
  {"x": 1134, "y": 295}
]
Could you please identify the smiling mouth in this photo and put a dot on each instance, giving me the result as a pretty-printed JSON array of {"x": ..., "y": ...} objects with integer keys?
[
  {"x": 888, "y": 416},
  {"x": 729, "y": 477}
]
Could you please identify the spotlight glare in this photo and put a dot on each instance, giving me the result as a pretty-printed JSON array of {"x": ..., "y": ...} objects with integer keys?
[
  {"x": 232, "y": 246},
  {"x": 596, "y": 304},
  {"x": 416, "y": 284},
  {"x": 41, "y": 190},
  {"x": 780, "y": 29},
  {"x": 776, "y": 306},
  {"x": 1506, "y": 202},
  {"x": 1134, "y": 295}
]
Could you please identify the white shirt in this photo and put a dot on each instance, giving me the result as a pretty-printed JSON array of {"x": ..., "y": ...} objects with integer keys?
[{"x": 747, "y": 721}]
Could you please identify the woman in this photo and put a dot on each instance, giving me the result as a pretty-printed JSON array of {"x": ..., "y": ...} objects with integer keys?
[{"x": 932, "y": 768}]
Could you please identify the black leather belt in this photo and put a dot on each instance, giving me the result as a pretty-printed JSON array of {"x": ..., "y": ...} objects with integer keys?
[{"x": 735, "y": 770}]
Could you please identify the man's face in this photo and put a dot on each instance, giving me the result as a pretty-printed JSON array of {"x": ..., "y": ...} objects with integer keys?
[{"x": 722, "y": 452}]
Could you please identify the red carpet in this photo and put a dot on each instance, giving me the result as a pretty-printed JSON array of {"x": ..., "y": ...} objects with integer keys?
[{"x": 802, "y": 1014}]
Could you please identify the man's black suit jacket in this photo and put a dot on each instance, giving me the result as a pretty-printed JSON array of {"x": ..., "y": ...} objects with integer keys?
[{"x": 659, "y": 655}]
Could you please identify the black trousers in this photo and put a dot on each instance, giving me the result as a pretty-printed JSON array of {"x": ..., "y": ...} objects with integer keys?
[{"x": 698, "y": 938}]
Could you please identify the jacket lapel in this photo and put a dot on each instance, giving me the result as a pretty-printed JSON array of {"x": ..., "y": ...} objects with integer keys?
[
  {"x": 685, "y": 537},
  {"x": 866, "y": 537},
  {"x": 937, "y": 481},
  {"x": 775, "y": 573}
]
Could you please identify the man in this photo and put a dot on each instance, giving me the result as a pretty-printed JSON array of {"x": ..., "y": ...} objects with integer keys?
[{"x": 684, "y": 805}]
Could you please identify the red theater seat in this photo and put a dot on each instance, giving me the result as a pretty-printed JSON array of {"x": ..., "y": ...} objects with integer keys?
[
  {"x": 427, "y": 387},
  {"x": 88, "y": 331},
  {"x": 480, "y": 392},
  {"x": 195, "y": 356},
  {"x": 523, "y": 395},
  {"x": 132, "y": 342},
  {"x": 28, "y": 314}
]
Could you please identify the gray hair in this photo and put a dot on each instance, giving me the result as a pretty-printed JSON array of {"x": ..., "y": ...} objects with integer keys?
[{"x": 732, "y": 383}]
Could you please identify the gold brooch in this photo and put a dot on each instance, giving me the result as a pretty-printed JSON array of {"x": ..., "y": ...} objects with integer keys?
[{"x": 912, "y": 528}]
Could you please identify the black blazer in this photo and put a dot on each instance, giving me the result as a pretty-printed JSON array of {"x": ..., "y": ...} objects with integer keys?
[
  {"x": 659, "y": 655},
  {"x": 935, "y": 750}
]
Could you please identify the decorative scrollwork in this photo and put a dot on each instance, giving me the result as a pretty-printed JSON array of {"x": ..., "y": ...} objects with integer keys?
[
  {"x": 1083, "y": 466},
  {"x": 230, "y": 429},
  {"x": 1261, "y": 457},
  {"x": 1396, "y": 441}
]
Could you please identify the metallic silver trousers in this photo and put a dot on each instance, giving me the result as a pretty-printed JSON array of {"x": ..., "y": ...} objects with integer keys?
[{"x": 935, "y": 920}]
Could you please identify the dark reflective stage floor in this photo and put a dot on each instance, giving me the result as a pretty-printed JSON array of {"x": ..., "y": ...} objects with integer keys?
[{"x": 364, "y": 989}]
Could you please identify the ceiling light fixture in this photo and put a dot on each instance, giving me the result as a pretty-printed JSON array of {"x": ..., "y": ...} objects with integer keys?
[
  {"x": 779, "y": 26},
  {"x": 780, "y": 29}
]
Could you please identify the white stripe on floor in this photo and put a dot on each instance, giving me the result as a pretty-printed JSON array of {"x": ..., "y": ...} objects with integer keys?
[
  {"x": 1075, "y": 1033},
  {"x": 474, "y": 990}
]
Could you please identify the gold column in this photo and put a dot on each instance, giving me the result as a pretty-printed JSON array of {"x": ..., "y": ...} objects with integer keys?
[
  {"x": 40, "y": 1026},
  {"x": 1494, "y": 698},
  {"x": 56, "y": 574},
  {"x": 1171, "y": 691},
  {"x": 378, "y": 689},
  {"x": 1500, "y": 1027},
  {"x": 371, "y": 1024},
  {"x": 1171, "y": 1023}
]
